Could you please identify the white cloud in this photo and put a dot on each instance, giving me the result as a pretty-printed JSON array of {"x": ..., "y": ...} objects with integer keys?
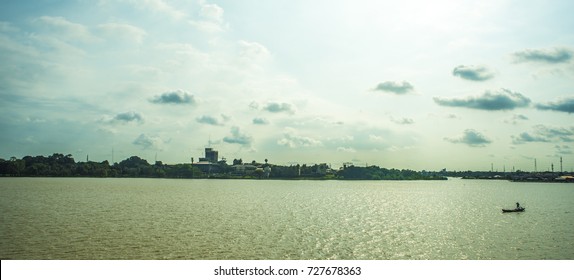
[
  {"x": 212, "y": 12},
  {"x": 205, "y": 119},
  {"x": 470, "y": 137},
  {"x": 395, "y": 87},
  {"x": 211, "y": 19},
  {"x": 563, "y": 105},
  {"x": 376, "y": 138},
  {"x": 184, "y": 51},
  {"x": 516, "y": 118},
  {"x": 175, "y": 97},
  {"x": 260, "y": 121},
  {"x": 149, "y": 142},
  {"x": 64, "y": 29},
  {"x": 144, "y": 71},
  {"x": 125, "y": 118},
  {"x": 549, "y": 56},
  {"x": 122, "y": 32},
  {"x": 403, "y": 121},
  {"x": 502, "y": 99},
  {"x": 8, "y": 27},
  {"x": 254, "y": 105},
  {"x": 253, "y": 50},
  {"x": 159, "y": 7},
  {"x": 346, "y": 150},
  {"x": 543, "y": 133},
  {"x": 277, "y": 107},
  {"x": 292, "y": 140},
  {"x": 238, "y": 137},
  {"x": 473, "y": 73}
]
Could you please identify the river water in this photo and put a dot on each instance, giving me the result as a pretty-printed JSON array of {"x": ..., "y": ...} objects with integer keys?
[{"x": 86, "y": 218}]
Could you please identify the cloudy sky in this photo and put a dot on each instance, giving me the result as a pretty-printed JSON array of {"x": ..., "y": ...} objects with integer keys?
[{"x": 406, "y": 84}]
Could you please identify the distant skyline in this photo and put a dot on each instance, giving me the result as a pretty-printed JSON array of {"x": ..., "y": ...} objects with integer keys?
[{"x": 423, "y": 85}]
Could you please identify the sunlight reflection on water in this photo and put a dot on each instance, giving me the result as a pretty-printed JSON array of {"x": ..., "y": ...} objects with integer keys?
[{"x": 244, "y": 219}]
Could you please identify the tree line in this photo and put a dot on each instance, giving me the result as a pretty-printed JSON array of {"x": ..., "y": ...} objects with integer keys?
[{"x": 60, "y": 165}]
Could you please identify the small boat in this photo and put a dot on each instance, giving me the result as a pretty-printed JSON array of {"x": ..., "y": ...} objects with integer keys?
[{"x": 519, "y": 209}]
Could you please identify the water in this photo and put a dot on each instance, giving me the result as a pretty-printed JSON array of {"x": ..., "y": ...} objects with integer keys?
[{"x": 68, "y": 218}]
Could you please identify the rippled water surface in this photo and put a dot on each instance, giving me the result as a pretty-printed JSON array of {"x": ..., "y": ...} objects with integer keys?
[{"x": 64, "y": 218}]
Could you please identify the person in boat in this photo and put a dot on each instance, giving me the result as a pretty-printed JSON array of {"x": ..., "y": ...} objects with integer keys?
[{"x": 517, "y": 205}]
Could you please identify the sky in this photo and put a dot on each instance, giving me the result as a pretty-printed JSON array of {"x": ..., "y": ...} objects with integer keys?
[{"x": 423, "y": 85}]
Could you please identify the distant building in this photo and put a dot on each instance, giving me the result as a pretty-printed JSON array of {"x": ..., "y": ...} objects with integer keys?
[
  {"x": 209, "y": 164},
  {"x": 211, "y": 155},
  {"x": 243, "y": 169}
]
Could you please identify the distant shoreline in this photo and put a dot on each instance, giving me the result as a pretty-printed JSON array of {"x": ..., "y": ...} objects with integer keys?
[
  {"x": 64, "y": 166},
  {"x": 226, "y": 178},
  {"x": 535, "y": 180}
]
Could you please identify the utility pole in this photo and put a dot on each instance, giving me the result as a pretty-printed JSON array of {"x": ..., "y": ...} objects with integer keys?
[
  {"x": 561, "y": 165},
  {"x": 535, "y": 169}
]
